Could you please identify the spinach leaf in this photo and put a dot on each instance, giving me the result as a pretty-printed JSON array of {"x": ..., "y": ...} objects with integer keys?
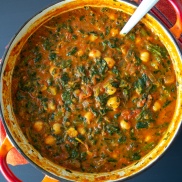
[
  {"x": 145, "y": 113},
  {"x": 82, "y": 69},
  {"x": 111, "y": 129},
  {"x": 47, "y": 44},
  {"x": 140, "y": 84},
  {"x": 102, "y": 66},
  {"x": 166, "y": 103},
  {"x": 74, "y": 154},
  {"x": 102, "y": 99},
  {"x": 67, "y": 98},
  {"x": 157, "y": 50},
  {"x": 66, "y": 63},
  {"x": 111, "y": 160},
  {"x": 136, "y": 156},
  {"x": 122, "y": 139},
  {"x": 52, "y": 56},
  {"x": 142, "y": 124},
  {"x": 65, "y": 79},
  {"x": 114, "y": 42},
  {"x": 38, "y": 57},
  {"x": 72, "y": 51}
]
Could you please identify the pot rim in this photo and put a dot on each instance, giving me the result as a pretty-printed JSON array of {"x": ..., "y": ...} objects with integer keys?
[{"x": 8, "y": 132}]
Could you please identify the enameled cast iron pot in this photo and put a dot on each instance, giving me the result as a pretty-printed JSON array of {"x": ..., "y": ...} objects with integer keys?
[{"x": 17, "y": 139}]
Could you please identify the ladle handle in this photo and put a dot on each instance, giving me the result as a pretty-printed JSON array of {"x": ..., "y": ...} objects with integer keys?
[{"x": 139, "y": 13}]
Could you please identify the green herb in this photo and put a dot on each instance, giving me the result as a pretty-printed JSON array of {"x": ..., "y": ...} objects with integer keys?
[
  {"x": 82, "y": 69},
  {"x": 38, "y": 58},
  {"x": 74, "y": 154},
  {"x": 102, "y": 99},
  {"x": 157, "y": 50},
  {"x": 145, "y": 115},
  {"x": 136, "y": 156},
  {"x": 107, "y": 30},
  {"x": 104, "y": 9},
  {"x": 142, "y": 124},
  {"x": 114, "y": 42},
  {"x": 66, "y": 64},
  {"x": 82, "y": 18},
  {"x": 111, "y": 129},
  {"x": 122, "y": 139},
  {"x": 52, "y": 56},
  {"x": 166, "y": 103},
  {"x": 47, "y": 44},
  {"x": 140, "y": 84},
  {"x": 66, "y": 96},
  {"x": 115, "y": 71},
  {"x": 132, "y": 36},
  {"x": 70, "y": 29},
  {"x": 65, "y": 78},
  {"x": 102, "y": 66},
  {"x": 149, "y": 146},
  {"x": 83, "y": 156},
  {"x": 72, "y": 51},
  {"x": 111, "y": 160}
]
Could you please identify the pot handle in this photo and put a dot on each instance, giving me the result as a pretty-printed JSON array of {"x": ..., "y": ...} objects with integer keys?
[
  {"x": 5, "y": 170},
  {"x": 177, "y": 27}
]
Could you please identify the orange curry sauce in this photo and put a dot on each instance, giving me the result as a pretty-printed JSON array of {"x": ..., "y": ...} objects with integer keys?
[{"x": 89, "y": 99}]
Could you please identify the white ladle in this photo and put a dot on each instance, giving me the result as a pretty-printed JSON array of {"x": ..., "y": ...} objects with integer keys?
[{"x": 142, "y": 9}]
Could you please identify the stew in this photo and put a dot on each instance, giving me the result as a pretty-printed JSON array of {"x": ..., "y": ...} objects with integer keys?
[{"x": 88, "y": 99}]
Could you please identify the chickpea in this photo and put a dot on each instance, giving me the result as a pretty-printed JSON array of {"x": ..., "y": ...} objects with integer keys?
[
  {"x": 125, "y": 125},
  {"x": 145, "y": 56},
  {"x": 114, "y": 32},
  {"x": 93, "y": 37},
  {"x": 94, "y": 53},
  {"x": 49, "y": 140},
  {"x": 72, "y": 132},
  {"x": 114, "y": 155},
  {"x": 110, "y": 90},
  {"x": 56, "y": 128},
  {"x": 80, "y": 52},
  {"x": 38, "y": 126},
  {"x": 81, "y": 130},
  {"x": 51, "y": 105},
  {"x": 110, "y": 62},
  {"x": 156, "y": 106},
  {"x": 148, "y": 138},
  {"x": 113, "y": 102},
  {"x": 43, "y": 88},
  {"x": 53, "y": 90},
  {"x": 168, "y": 80},
  {"x": 88, "y": 116},
  {"x": 54, "y": 71},
  {"x": 112, "y": 16},
  {"x": 138, "y": 40}
]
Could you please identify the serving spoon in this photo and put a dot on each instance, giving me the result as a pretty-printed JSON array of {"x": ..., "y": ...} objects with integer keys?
[{"x": 142, "y": 9}]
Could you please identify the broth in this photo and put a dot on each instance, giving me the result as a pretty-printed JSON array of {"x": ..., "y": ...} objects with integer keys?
[{"x": 87, "y": 98}]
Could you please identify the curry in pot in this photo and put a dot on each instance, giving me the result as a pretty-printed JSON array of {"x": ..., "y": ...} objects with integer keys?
[{"x": 88, "y": 99}]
